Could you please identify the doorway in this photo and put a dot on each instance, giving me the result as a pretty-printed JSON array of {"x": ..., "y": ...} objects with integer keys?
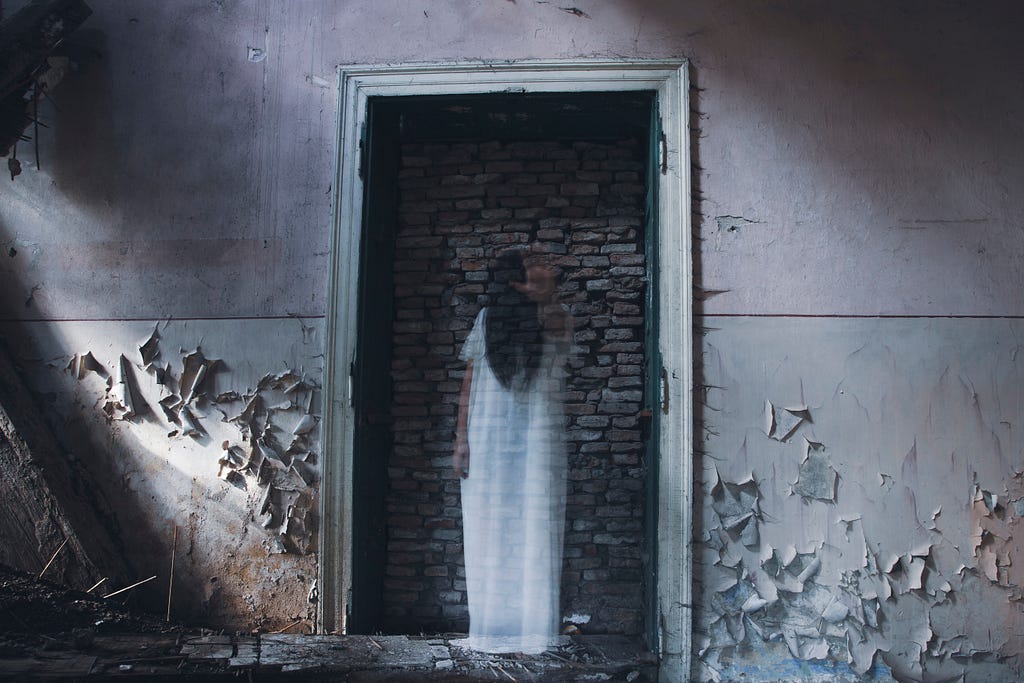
[{"x": 476, "y": 170}]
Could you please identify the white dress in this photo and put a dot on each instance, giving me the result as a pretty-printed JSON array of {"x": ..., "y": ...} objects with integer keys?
[{"x": 513, "y": 504}]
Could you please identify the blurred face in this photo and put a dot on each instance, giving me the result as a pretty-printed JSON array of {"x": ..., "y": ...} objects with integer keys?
[{"x": 540, "y": 283}]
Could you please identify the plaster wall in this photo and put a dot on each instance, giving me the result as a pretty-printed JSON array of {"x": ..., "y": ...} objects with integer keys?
[{"x": 851, "y": 161}]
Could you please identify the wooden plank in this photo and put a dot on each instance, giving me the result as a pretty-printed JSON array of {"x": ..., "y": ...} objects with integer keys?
[
  {"x": 247, "y": 653},
  {"x": 208, "y": 649},
  {"x": 55, "y": 665},
  {"x": 291, "y": 653}
]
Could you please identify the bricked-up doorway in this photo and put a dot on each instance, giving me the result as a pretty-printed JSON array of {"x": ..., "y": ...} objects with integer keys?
[
  {"x": 442, "y": 183},
  {"x": 565, "y": 175}
]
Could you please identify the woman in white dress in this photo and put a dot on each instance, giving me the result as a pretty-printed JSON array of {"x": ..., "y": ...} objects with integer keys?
[{"x": 510, "y": 452}]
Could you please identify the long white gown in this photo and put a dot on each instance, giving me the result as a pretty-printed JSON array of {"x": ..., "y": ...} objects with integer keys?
[{"x": 513, "y": 504}]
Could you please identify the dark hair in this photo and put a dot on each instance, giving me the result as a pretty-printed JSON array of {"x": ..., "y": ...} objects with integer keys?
[{"x": 513, "y": 330}]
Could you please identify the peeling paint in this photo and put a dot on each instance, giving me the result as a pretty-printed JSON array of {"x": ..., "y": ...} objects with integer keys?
[
  {"x": 286, "y": 472},
  {"x": 873, "y": 530},
  {"x": 733, "y": 223},
  {"x": 817, "y": 479}
]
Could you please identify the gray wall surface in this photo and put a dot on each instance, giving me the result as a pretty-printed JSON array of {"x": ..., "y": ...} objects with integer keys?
[{"x": 856, "y": 183}]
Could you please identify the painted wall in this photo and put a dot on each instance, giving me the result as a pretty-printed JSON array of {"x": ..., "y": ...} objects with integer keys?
[{"x": 850, "y": 160}]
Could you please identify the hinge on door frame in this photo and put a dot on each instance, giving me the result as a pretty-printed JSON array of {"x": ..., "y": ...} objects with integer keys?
[
  {"x": 664, "y": 152},
  {"x": 664, "y": 391},
  {"x": 351, "y": 384},
  {"x": 364, "y": 152}
]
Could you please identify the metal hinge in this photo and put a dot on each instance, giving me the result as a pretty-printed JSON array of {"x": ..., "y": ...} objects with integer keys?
[
  {"x": 664, "y": 391},
  {"x": 664, "y": 153},
  {"x": 351, "y": 383},
  {"x": 364, "y": 153}
]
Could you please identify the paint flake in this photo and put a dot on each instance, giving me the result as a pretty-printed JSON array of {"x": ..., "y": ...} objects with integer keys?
[
  {"x": 83, "y": 363},
  {"x": 781, "y": 423},
  {"x": 835, "y": 612},
  {"x": 195, "y": 368},
  {"x": 737, "y": 507},
  {"x": 753, "y": 603},
  {"x": 189, "y": 424},
  {"x": 817, "y": 479},
  {"x": 847, "y": 522},
  {"x": 149, "y": 350},
  {"x": 305, "y": 425},
  {"x": 124, "y": 396}
]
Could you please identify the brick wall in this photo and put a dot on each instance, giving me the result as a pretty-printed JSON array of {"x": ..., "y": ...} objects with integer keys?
[{"x": 459, "y": 204}]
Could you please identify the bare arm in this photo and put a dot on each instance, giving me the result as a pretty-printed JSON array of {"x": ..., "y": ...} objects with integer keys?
[{"x": 460, "y": 461}]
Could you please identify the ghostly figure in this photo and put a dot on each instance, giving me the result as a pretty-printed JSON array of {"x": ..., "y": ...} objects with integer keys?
[{"x": 510, "y": 452}]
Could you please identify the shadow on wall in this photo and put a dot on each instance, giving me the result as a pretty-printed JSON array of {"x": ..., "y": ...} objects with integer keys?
[
  {"x": 846, "y": 103},
  {"x": 186, "y": 445},
  {"x": 86, "y": 159}
]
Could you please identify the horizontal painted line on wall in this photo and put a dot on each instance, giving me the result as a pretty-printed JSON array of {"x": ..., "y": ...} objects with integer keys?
[
  {"x": 858, "y": 315},
  {"x": 171, "y": 319},
  {"x": 695, "y": 315}
]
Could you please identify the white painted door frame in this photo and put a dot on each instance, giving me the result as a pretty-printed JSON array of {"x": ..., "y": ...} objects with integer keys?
[{"x": 674, "y": 307}]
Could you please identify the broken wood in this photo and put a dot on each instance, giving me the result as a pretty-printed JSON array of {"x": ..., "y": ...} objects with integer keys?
[
  {"x": 46, "y": 496},
  {"x": 128, "y": 588},
  {"x": 288, "y": 627},
  {"x": 52, "y": 558},
  {"x": 170, "y": 574}
]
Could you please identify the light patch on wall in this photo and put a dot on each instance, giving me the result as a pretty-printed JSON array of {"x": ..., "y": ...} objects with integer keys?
[{"x": 275, "y": 425}]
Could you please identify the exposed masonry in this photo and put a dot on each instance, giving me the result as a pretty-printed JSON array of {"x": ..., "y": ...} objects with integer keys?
[{"x": 459, "y": 204}]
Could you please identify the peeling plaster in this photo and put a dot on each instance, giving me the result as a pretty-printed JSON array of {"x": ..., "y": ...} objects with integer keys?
[
  {"x": 888, "y": 531},
  {"x": 224, "y": 449},
  {"x": 733, "y": 223},
  {"x": 256, "y": 457}
]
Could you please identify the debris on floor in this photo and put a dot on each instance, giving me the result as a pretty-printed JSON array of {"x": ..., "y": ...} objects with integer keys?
[{"x": 48, "y": 632}]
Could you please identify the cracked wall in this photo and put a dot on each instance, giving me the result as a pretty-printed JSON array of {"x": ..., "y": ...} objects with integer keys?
[{"x": 866, "y": 529}]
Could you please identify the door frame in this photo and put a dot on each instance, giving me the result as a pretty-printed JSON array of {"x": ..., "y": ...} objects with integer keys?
[{"x": 669, "y": 80}]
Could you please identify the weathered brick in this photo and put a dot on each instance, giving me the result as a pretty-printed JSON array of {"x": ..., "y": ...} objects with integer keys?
[
  {"x": 614, "y": 539},
  {"x": 534, "y": 190},
  {"x": 503, "y": 167},
  {"x": 516, "y": 194},
  {"x": 619, "y": 334},
  {"x": 576, "y": 189}
]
